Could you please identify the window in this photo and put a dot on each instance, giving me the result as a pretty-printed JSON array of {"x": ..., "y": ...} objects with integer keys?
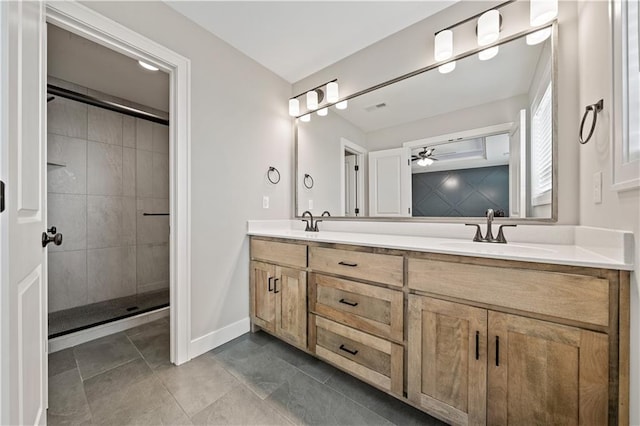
[
  {"x": 541, "y": 149},
  {"x": 626, "y": 92}
]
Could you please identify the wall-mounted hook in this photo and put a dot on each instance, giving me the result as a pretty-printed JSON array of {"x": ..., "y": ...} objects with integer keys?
[
  {"x": 596, "y": 108},
  {"x": 277, "y": 174},
  {"x": 307, "y": 181}
]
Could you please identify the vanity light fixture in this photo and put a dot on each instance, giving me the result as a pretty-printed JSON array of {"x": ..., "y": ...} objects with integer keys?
[
  {"x": 443, "y": 45},
  {"x": 332, "y": 92},
  {"x": 538, "y": 36},
  {"x": 342, "y": 105},
  {"x": 322, "y": 112},
  {"x": 148, "y": 66},
  {"x": 312, "y": 99},
  {"x": 489, "y": 53},
  {"x": 294, "y": 107},
  {"x": 306, "y": 118},
  {"x": 447, "y": 68},
  {"x": 488, "y": 27},
  {"x": 542, "y": 11}
]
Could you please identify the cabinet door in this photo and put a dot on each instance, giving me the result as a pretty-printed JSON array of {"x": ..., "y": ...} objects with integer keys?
[
  {"x": 545, "y": 373},
  {"x": 263, "y": 299},
  {"x": 447, "y": 359},
  {"x": 290, "y": 287}
]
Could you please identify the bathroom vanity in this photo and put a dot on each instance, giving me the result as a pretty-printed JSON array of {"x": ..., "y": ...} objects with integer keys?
[{"x": 468, "y": 337}]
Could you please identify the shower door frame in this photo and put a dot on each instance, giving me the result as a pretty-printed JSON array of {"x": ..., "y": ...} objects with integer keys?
[{"x": 93, "y": 26}]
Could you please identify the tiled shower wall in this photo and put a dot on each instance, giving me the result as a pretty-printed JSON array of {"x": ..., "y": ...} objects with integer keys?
[{"x": 110, "y": 169}]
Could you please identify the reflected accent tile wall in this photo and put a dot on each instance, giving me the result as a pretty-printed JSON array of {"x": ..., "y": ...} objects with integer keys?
[{"x": 115, "y": 168}]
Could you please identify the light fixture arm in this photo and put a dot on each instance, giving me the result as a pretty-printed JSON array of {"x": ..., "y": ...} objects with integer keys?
[
  {"x": 315, "y": 88},
  {"x": 476, "y": 16}
]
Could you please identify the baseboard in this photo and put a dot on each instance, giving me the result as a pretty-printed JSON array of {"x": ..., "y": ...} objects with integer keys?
[
  {"x": 218, "y": 337},
  {"x": 83, "y": 336}
]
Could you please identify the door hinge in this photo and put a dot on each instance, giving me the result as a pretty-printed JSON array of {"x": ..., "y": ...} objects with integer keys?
[
  {"x": 357, "y": 211},
  {"x": 356, "y": 167},
  {"x": 408, "y": 162},
  {"x": 1, "y": 196},
  {"x": 409, "y": 210}
]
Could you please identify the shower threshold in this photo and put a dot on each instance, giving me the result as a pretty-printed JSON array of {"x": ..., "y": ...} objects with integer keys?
[{"x": 83, "y": 317}]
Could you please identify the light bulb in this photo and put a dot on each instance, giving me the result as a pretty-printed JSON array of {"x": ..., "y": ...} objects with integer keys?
[
  {"x": 489, "y": 53},
  {"x": 312, "y": 99},
  {"x": 542, "y": 11},
  {"x": 538, "y": 36},
  {"x": 322, "y": 112},
  {"x": 424, "y": 162},
  {"x": 488, "y": 27},
  {"x": 447, "y": 68},
  {"x": 332, "y": 92},
  {"x": 294, "y": 107},
  {"x": 443, "y": 48},
  {"x": 341, "y": 105},
  {"x": 148, "y": 66}
]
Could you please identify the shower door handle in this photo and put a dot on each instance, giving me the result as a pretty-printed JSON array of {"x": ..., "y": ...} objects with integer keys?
[{"x": 54, "y": 238}]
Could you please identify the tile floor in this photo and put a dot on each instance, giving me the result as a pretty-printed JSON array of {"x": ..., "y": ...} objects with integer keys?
[{"x": 126, "y": 378}]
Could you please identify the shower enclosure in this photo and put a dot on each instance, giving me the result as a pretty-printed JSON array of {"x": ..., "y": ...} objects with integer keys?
[{"x": 108, "y": 194}]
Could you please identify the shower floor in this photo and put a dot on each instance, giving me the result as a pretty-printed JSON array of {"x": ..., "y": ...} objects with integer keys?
[{"x": 83, "y": 317}]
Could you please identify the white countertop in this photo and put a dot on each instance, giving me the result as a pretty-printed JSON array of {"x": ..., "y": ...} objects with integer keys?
[{"x": 569, "y": 253}]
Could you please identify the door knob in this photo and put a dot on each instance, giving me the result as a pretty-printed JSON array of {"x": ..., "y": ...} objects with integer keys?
[{"x": 54, "y": 238}]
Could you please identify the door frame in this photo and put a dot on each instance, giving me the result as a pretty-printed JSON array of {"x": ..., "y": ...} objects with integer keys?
[
  {"x": 360, "y": 152},
  {"x": 93, "y": 26}
]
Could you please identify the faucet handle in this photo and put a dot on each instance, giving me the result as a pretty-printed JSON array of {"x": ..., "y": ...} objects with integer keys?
[
  {"x": 500, "y": 238},
  {"x": 478, "y": 236},
  {"x": 315, "y": 227}
]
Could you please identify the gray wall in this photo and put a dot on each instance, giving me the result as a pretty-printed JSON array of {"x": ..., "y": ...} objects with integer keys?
[{"x": 116, "y": 168}]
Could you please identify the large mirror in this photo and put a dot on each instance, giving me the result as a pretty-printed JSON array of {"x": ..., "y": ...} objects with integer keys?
[{"x": 439, "y": 146}]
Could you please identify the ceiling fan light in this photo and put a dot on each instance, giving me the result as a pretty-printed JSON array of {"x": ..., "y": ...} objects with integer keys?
[
  {"x": 447, "y": 68},
  {"x": 332, "y": 92},
  {"x": 341, "y": 105},
  {"x": 294, "y": 107},
  {"x": 443, "y": 45},
  {"x": 538, "y": 36},
  {"x": 306, "y": 118},
  {"x": 323, "y": 112},
  {"x": 488, "y": 27},
  {"x": 542, "y": 11},
  {"x": 489, "y": 53},
  {"x": 312, "y": 99}
]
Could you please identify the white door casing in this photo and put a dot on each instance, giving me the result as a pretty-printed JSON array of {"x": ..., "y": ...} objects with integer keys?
[
  {"x": 24, "y": 278},
  {"x": 390, "y": 182},
  {"x": 360, "y": 154},
  {"x": 350, "y": 192}
]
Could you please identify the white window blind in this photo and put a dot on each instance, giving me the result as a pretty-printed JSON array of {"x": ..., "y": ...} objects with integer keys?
[{"x": 541, "y": 150}]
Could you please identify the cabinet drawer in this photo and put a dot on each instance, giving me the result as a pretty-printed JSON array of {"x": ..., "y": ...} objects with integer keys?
[
  {"x": 574, "y": 297},
  {"x": 365, "y": 307},
  {"x": 281, "y": 253},
  {"x": 368, "y": 357},
  {"x": 382, "y": 268}
]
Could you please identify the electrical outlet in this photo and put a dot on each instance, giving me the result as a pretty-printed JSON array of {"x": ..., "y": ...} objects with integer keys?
[
  {"x": 597, "y": 188},
  {"x": 310, "y": 204},
  {"x": 265, "y": 202}
]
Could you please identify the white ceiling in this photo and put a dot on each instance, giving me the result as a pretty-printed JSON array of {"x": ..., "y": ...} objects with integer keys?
[
  {"x": 81, "y": 61},
  {"x": 297, "y": 38}
]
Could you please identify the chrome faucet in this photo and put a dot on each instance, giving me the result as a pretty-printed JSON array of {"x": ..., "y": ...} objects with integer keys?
[
  {"x": 311, "y": 225},
  {"x": 488, "y": 238}
]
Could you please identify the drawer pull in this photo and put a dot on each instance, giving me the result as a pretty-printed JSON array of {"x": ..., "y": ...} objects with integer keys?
[
  {"x": 497, "y": 351},
  {"x": 270, "y": 280},
  {"x": 343, "y": 348},
  {"x": 346, "y": 302},
  {"x": 275, "y": 286},
  {"x": 353, "y": 265},
  {"x": 477, "y": 345}
]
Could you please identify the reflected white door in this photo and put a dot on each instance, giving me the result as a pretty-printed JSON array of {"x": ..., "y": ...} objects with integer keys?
[
  {"x": 23, "y": 280},
  {"x": 390, "y": 182},
  {"x": 350, "y": 188},
  {"x": 518, "y": 166}
]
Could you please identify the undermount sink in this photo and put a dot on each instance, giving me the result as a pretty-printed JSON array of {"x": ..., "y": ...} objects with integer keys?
[{"x": 493, "y": 248}]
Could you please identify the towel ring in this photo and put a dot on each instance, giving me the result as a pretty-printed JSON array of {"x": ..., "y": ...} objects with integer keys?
[
  {"x": 596, "y": 108},
  {"x": 273, "y": 169},
  {"x": 305, "y": 181}
]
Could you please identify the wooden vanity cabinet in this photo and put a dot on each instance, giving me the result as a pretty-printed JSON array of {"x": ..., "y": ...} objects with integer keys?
[{"x": 278, "y": 293}]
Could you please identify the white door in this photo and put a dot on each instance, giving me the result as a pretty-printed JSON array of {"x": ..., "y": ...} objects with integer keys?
[
  {"x": 518, "y": 166},
  {"x": 23, "y": 262},
  {"x": 350, "y": 200},
  {"x": 390, "y": 182}
]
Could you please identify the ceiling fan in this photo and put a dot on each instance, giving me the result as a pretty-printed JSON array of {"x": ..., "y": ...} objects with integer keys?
[{"x": 424, "y": 157}]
